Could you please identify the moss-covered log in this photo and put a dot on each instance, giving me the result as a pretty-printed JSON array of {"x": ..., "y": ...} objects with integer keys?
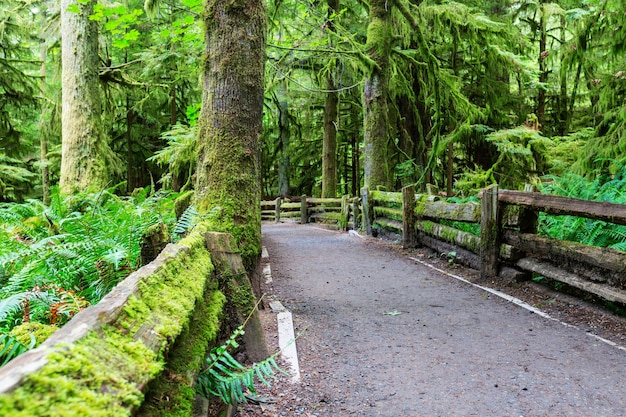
[
  {"x": 468, "y": 212},
  {"x": 101, "y": 361},
  {"x": 390, "y": 213}
]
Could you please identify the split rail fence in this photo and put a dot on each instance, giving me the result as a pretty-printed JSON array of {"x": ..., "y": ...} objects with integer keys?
[{"x": 506, "y": 242}]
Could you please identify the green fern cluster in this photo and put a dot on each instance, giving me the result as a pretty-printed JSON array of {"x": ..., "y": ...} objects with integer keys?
[
  {"x": 10, "y": 347},
  {"x": 57, "y": 259},
  {"x": 608, "y": 188}
]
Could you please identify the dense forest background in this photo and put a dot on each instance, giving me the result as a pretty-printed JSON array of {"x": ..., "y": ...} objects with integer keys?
[
  {"x": 456, "y": 94},
  {"x": 111, "y": 113}
]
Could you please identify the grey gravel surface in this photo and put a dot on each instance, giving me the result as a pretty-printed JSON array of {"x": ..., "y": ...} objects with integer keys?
[{"x": 386, "y": 336}]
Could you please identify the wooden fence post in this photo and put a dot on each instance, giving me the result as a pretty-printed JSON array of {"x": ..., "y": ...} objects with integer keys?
[
  {"x": 355, "y": 213},
  {"x": 304, "y": 218},
  {"x": 367, "y": 211},
  {"x": 528, "y": 218},
  {"x": 408, "y": 217},
  {"x": 489, "y": 233},
  {"x": 279, "y": 201},
  {"x": 345, "y": 211}
]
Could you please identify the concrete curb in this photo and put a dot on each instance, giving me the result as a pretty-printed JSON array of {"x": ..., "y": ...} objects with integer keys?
[{"x": 286, "y": 334}]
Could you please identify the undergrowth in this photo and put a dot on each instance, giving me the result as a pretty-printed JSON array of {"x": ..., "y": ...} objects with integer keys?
[
  {"x": 604, "y": 187},
  {"x": 56, "y": 260}
]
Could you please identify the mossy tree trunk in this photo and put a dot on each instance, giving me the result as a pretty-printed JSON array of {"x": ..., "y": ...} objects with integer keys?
[
  {"x": 329, "y": 143},
  {"x": 284, "y": 130},
  {"x": 86, "y": 159},
  {"x": 376, "y": 169},
  {"x": 229, "y": 138},
  {"x": 45, "y": 113}
]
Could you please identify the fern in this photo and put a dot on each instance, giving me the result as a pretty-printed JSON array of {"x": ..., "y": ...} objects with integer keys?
[
  {"x": 187, "y": 221},
  {"x": 227, "y": 379},
  {"x": 11, "y": 348}
]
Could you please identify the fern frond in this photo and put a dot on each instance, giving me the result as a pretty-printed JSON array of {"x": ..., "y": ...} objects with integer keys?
[
  {"x": 10, "y": 348},
  {"x": 228, "y": 379}
]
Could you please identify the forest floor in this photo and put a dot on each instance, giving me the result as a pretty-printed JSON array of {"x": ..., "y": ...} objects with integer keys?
[{"x": 391, "y": 332}]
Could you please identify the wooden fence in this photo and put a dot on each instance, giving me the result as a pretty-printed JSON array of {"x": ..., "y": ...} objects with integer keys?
[
  {"x": 507, "y": 243},
  {"x": 342, "y": 212}
]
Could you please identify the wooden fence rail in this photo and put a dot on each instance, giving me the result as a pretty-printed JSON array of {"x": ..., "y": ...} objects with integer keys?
[
  {"x": 342, "y": 212},
  {"x": 507, "y": 242}
]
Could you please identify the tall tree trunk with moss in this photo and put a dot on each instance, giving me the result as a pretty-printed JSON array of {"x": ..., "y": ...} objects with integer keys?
[
  {"x": 376, "y": 169},
  {"x": 284, "y": 135},
  {"x": 230, "y": 123},
  {"x": 543, "y": 72},
  {"x": 86, "y": 160},
  {"x": 43, "y": 132},
  {"x": 329, "y": 144}
]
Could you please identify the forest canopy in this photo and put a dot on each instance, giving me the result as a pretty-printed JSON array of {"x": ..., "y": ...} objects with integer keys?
[{"x": 456, "y": 94}]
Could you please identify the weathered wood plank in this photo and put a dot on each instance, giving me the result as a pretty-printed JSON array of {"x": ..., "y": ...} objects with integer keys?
[
  {"x": 304, "y": 215},
  {"x": 463, "y": 256},
  {"x": 552, "y": 204},
  {"x": 317, "y": 200},
  {"x": 467, "y": 212},
  {"x": 389, "y": 224},
  {"x": 391, "y": 213},
  {"x": 291, "y": 206},
  {"x": 489, "y": 233},
  {"x": 450, "y": 235},
  {"x": 599, "y": 264},
  {"x": 548, "y": 270},
  {"x": 409, "y": 237},
  {"x": 387, "y": 197}
]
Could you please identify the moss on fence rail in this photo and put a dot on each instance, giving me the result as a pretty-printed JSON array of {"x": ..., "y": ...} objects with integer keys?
[{"x": 165, "y": 315}]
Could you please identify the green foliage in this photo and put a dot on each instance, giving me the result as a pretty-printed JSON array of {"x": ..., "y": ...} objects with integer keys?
[
  {"x": 227, "y": 379},
  {"x": 56, "y": 260},
  {"x": 608, "y": 188},
  {"x": 10, "y": 348}
]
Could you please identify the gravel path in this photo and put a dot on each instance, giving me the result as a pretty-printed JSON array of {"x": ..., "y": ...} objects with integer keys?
[{"x": 386, "y": 336}]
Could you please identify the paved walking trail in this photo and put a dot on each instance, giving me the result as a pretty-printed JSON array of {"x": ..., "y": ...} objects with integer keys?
[{"x": 386, "y": 336}]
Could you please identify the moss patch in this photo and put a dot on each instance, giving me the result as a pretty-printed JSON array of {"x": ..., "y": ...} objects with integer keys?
[
  {"x": 172, "y": 394},
  {"x": 169, "y": 295},
  {"x": 39, "y": 330},
  {"x": 97, "y": 376}
]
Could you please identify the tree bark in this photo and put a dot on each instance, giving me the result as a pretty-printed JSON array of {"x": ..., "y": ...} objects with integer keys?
[
  {"x": 86, "y": 158},
  {"x": 543, "y": 73},
  {"x": 376, "y": 168},
  {"x": 284, "y": 164},
  {"x": 329, "y": 144},
  {"x": 230, "y": 125},
  {"x": 43, "y": 133}
]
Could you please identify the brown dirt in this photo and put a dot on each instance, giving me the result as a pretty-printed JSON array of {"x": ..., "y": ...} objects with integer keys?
[{"x": 383, "y": 336}]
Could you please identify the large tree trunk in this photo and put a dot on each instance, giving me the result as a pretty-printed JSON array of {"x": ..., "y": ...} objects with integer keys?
[
  {"x": 543, "y": 73},
  {"x": 375, "y": 105},
  {"x": 284, "y": 135},
  {"x": 329, "y": 144},
  {"x": 43, "y": 132},
  {"x": 86, "y": 159},
  {"x": 230, "y": 124}
]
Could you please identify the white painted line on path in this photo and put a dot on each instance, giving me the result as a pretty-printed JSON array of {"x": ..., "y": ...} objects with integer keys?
[
  {"x": 287, "y": 344},
  {"x": 264, "y": 253},
  {"x": 516, "y": 301},
  {"x": 267, "y": 274}
]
